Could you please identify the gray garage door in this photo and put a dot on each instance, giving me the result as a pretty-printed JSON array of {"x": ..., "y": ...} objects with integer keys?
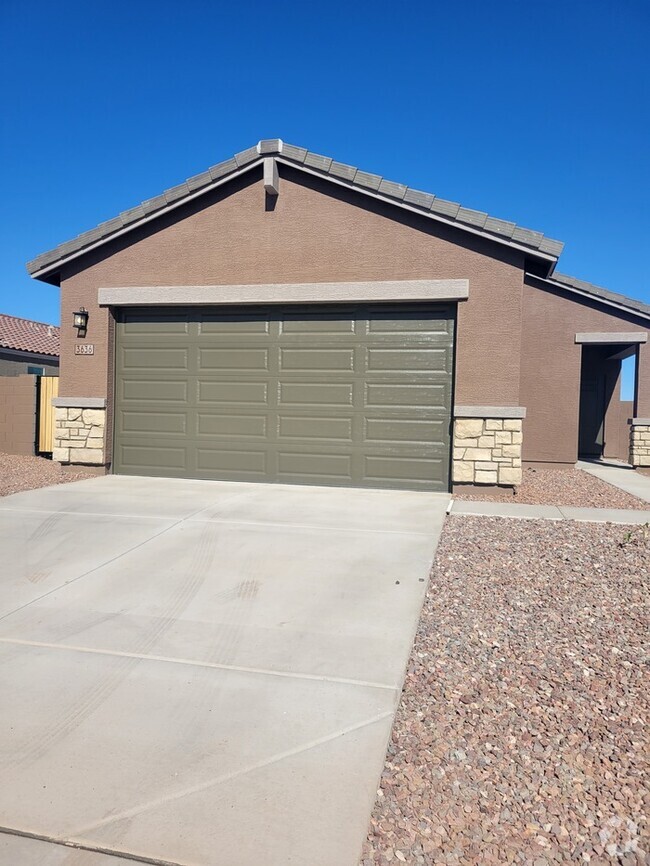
[{"x": 356, "y": 395}]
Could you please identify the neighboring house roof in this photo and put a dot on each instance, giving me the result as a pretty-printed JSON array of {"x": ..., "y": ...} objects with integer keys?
[
  {"x": 371, "y": 184},
  {"x": 573, "y": 284},
  {"x": 24, "y": 335}
]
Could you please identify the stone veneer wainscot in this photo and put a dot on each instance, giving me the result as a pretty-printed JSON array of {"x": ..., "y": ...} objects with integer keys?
[
  {"x": 79, "y": 436},
  {"x": 640, "y": 442},
  {"x": 487, "y": 451}
]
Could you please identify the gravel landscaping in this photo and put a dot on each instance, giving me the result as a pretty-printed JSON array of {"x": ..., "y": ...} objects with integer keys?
[
  {"x": 569, "y": 487},
  {"x": 27, "y": 473},
  {"x": 520, "y": 736}
]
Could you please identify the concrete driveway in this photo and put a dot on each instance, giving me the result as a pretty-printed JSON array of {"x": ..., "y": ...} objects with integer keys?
[{"x": 202, "y": 672}]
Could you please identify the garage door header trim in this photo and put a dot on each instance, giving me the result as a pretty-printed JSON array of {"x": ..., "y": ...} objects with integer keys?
[{"x": 286, "y": 293}]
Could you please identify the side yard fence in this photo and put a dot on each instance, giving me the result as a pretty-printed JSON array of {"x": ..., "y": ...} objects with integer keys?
[{"x": 26, "y": 413}]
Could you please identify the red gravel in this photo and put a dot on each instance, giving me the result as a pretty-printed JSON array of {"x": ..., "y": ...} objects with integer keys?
[
  {"x": 569, "y": 487},
  {"x": 520, "y": 735},
  {"x": 27, "y": 473}
]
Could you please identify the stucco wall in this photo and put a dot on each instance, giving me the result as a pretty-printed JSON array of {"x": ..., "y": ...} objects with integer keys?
[
  {"x": 550, "y": 367},
  {"x": 315, "y": 233}
]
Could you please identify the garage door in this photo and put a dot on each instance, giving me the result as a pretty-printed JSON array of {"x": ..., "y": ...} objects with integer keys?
[{"x": 356, "y": 396}]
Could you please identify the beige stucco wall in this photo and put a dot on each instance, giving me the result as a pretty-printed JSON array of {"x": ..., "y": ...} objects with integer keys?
[{"x": 316, "y": 233}]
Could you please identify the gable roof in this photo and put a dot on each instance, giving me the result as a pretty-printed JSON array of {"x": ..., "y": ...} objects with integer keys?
[
  {"x": 451, "y": 213},
  {"x": 24, "y": 335}
]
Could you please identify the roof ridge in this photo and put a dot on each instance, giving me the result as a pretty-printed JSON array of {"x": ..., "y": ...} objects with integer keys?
[{"x": 449, "y": 212}]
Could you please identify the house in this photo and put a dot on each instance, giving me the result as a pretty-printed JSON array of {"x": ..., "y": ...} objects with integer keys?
[
  {"x": 28, "y": 347},
  {"x": 284, "y": 317}
]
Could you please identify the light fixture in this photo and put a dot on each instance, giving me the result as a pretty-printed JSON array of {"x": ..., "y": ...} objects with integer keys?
[{"x": 80, "y": 320}]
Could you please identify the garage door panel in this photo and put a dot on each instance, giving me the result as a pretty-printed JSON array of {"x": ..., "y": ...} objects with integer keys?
[
  {"x": 139, "y": 325},
  {"x": 334, "y": 325},
  {"x": 227, "y": 424},
  {"x": 150, "y": 456},
  {"x": 411, "y": 360},
  {"x": 162, "y": 422},
  {"x": 233, "y": 359},
  {"x": 233, "y": 462},
  {"x": 147, "y": 390},
  {"x": 314, "y": 465},
  {"x": 405, "y": 430},
  {"x": 349, "y": 395},
  {"x": 398, "y": 469},
  {"x": 235, "y": 392},
  {"x": 409, "y": 328},
  {"x": 310, "y": 427},
  {"x": 155, "y": 358},
  {"x": 382, "y": 394},
  {"x": 233, "y": 327},
  {"x": 320, "y": 359},
  {"x": 311, "y": 393}
]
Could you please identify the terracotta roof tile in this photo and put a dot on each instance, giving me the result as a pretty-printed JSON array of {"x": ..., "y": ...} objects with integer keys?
[{"x": 28, "y": 336}]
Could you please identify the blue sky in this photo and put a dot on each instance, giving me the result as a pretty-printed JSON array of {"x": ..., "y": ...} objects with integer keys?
[{"x": 534, "y": 112}]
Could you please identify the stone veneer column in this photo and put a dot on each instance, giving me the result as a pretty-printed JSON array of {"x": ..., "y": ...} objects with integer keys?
[
  {"x": 79, "y": 436},
  {"x": 640, "y": 442},
  {"x": 488, "y": 450}
]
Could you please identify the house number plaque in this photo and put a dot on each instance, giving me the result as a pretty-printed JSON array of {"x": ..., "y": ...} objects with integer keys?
[{"x": 84, "y": 349}]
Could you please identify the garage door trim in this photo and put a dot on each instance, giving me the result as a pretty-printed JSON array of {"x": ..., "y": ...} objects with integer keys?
[{"x": 287, "y": 293}]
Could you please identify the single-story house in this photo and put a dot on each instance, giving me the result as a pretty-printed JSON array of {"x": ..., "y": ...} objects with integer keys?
[
  {"x": 284, "y": 317},
  {"x": 28, "y": 347}
]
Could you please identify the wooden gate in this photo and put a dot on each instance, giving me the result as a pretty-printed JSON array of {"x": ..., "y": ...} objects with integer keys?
[{"x": 48, "y": 387}]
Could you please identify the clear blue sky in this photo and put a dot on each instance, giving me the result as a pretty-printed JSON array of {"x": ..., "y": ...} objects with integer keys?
[{"x": 535, "y": 112}]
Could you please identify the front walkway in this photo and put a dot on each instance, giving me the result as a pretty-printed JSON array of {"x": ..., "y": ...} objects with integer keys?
[
  {"x": 619, "y": 475},
  {"x": 203, "y": 672},
  {"x": 548, "y": 512}
]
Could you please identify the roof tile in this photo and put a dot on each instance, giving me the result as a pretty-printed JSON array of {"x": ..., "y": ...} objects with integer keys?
[
  {"x": 445, "y": 208},
  {"x": 365, "y": 178},
  {"x": 421, "y": 199},
  {"x": 222, "y": 168},
  {"x": 340, "y": 169},
  {"x": 315, "y": 160},
  {"x": 176, "y": 192},
  {"x": 198, "y": 180},
  {"x": 269, "y": 145},
  {"x": 298, "y": 154},
  {"x": 24, "y": 335},
  {"x": 246, "y": 156},
  {"x": 394, "y": 190}
]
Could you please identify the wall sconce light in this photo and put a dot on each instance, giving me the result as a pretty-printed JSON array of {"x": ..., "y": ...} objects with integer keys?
[{"x": 80, "y": 320}]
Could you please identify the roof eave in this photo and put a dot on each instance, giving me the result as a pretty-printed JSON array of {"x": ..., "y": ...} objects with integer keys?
[
  {"x": 630, "y": 308},
  {"x": 546, "y": 252},
  {"x": 41, "y": 273}
]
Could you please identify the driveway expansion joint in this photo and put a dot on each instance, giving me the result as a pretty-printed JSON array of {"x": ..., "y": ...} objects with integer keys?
[
  {"x": 200, "y": 664},
  {"x": 91, "y": 849}
]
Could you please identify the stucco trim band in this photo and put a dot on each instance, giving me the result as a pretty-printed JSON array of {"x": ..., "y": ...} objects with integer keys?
[
  {"x": 603, "y": 338},
  {"x": 79, "y": 402},
  {"x": 287, "y": 293},
  {"x": 490, "y": 412},
  {"x": 640, "y": 422}
]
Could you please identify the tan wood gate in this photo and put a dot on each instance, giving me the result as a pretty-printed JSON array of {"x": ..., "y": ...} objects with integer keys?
[{"x": 48, "y": 387}]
